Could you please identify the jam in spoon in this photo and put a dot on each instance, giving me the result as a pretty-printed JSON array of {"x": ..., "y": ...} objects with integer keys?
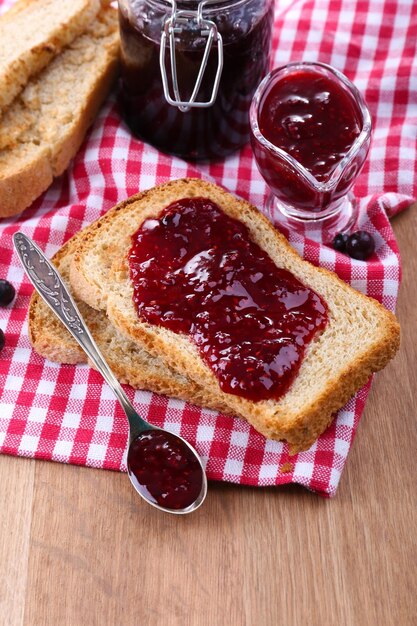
[{"x": 163, "y": 468}]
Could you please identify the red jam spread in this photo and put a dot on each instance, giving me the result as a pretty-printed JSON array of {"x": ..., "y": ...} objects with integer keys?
[
  {"x": 164, "y": 469},
  {"x": 312, "y": 118},
  {"x": 199, "y": 133},
  {"x": 196, "y": 271}
]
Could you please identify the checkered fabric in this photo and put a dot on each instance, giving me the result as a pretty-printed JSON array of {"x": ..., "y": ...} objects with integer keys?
[{"x": 66, "y": 413}]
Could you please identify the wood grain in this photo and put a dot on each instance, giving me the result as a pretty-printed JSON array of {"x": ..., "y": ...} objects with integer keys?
[
  {"x": 78, "y": 547},
  {"x": 16, "y": 499}
]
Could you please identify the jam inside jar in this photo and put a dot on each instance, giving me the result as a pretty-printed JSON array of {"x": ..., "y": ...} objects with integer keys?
[{"x": 202, "y": 132}]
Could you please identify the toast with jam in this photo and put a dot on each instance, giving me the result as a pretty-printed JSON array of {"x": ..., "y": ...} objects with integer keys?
[
  {"x": 131, "y": 363},
  {"x": 44, "y": 126},
  {"x": 288, "y": 344}
]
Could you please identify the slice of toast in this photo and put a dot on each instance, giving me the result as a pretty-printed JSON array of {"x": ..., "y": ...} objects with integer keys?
[
  {"x": 32, "y": 33},
  {"x": 45, "y": 125},
  {"x": 360, "y": 338},
  {"x": 131, "y": 363}
]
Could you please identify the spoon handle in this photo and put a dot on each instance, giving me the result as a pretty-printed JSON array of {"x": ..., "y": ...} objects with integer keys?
[{"x": 50, "y": 286}]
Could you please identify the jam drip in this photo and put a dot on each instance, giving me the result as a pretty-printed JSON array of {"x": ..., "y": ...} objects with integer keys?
[{"x": 196, "y": 271}]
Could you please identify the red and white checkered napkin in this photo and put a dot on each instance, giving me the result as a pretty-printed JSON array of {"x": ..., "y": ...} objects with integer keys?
[{"x": 67, "y": 413}]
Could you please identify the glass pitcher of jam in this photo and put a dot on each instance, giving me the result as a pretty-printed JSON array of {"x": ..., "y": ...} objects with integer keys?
[
  {"x": 190, "y": 69},
  {"x": 310, "y": 134}
]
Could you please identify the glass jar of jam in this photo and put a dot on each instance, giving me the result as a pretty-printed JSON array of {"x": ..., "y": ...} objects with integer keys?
[{"x": 190, "y": 69}]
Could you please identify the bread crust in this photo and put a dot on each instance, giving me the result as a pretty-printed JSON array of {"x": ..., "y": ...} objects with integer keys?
[
  {"x": 298, "y": 417},
  {"x": 25, "y": 183},
  {"x": 68, "y": 148}
]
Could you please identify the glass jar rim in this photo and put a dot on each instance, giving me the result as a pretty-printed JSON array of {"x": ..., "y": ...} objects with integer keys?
[
  {"x": 210, "y": 6},
  {"x": 354, "y": 149}
]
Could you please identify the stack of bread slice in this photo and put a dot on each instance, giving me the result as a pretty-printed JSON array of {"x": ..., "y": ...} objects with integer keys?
[
  {"x": 360, "y": 338},
  {"x": 58, "y": 61}
]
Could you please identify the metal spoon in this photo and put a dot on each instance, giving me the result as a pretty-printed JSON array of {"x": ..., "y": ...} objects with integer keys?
[{"x": 50, "y": 286}]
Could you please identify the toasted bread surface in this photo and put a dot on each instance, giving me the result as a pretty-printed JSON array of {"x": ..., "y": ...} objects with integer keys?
[
  {"x": 360, "y": 338},
  {"x": 131, "y": 363},
  {"x": 32, "y": 33},
  {"x": 46, "y": 124}
]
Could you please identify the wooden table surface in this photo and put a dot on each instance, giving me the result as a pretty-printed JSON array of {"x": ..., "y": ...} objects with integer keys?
[{"x": 78, "y": 547}]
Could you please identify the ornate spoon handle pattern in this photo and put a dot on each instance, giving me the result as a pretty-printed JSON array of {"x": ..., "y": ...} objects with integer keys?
[{"x": 48, "y": 283}]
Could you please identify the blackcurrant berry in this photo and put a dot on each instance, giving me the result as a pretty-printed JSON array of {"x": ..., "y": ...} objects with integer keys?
[
  {"x": 360, "y": 245},
  {"x": 2, "y": 339},
  {"x": 7, "y": 292},
  {"x": 339, "y": 242}
]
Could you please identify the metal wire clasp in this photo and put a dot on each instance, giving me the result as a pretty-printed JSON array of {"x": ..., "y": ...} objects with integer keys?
[{"x": 174, "y": 24}]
